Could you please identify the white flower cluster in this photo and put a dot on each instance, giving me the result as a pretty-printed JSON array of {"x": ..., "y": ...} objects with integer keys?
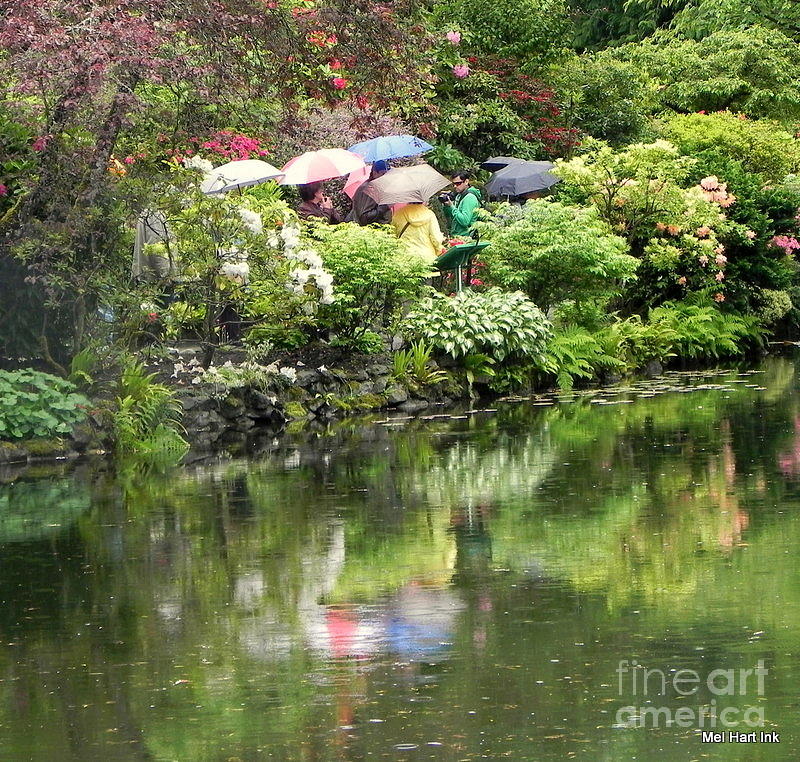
[
  {"x": 312, "y": 270},
  {"x": 252, "y": 220},
  {"x": 229, "y": 375},
  {"x": 196, "y": 162}
]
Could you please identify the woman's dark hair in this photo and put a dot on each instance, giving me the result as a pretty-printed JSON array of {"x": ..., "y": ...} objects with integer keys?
[
  {"x": 307, "y": 192},
  {"x": 462, "y": 174}
]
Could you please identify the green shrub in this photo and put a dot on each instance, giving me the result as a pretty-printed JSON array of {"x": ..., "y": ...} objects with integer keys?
[
  {"x": 762, "y": 147},
  {"x": 706, "y": 332},
  {"x": 34, "y": 404},
  {"x": 556, "y": 252},
  {"x": 494, "y": 323},
  {"x": 373, "y": 275}
]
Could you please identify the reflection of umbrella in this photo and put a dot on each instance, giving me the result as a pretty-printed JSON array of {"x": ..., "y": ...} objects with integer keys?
[
  {"x": 525, "y": 177},
  {"x": 314, "y": 166},
  {"x": 390, "y": 147},
  {"x": 238, "y": 174},
  {"x": 407, "y": 185},
  {"x": 498, "y": 162}
]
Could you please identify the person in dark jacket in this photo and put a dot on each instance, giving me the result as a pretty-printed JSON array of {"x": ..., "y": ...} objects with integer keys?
[
  {"x": 314, "y": 203},
  {"x": 366, "y": 211}
]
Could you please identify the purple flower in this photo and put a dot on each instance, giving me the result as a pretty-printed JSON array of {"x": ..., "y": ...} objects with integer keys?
[
  {"x": 453, "y": 37},
  {"x": 460, "y": 71}
]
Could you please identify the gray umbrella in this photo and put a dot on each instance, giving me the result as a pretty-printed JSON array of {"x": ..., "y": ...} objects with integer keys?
[
  {"x": 518, "y": 179},
  {"x": 498, "y": 162}
]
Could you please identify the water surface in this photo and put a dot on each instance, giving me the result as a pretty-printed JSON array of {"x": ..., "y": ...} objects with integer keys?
[{"x": 479, "y": 586}]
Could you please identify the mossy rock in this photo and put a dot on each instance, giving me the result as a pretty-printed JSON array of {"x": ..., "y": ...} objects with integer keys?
[
  {"x": 295, "y": 410},
  {"x": 44, "y": 448}
]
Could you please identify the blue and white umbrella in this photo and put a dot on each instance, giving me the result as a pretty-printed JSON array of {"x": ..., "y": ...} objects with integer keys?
[{"x": 390, "y": 147}]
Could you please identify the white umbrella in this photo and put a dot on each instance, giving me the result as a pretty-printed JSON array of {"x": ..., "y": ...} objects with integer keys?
[{"x": 238, "y": 174}]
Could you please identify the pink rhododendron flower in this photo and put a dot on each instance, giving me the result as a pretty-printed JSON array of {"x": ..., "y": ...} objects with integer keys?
[
  {"x": 129, "y": 160},
  {"x": 719, "y": 297},
  {"x": 703, "y": 260},
  {"x": 460, "y": 71},
  {"x": 719, "y": 249},
  {"x": 673, "y": 229},
  {"x": 751, "y": 234},
  {"x": 720, "y": 276},
  {"x": 785, "y": 242},
  {"x": 709, "y": 183},
  {"x": 720, "y": 259},
  {"x": 335, "y": 64},
  {"x": 339, "y": 83},
  {"x": 682, "y": 280},
  {"x": 703, "y": 231},
  {"x": 729, "y": 200},
  {"x": 3, "y": 190},
  {"x": 453, "y": 37},
  {"x": 660, "y": 226}
]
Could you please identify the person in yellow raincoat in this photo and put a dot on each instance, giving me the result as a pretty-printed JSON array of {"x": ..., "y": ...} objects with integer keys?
[{"x": 416, "y": 225}]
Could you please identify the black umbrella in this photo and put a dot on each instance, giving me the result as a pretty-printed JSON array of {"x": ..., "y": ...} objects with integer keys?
[
  {"x": 498, "y": 162},
  {"x": 522, "y": 178}
]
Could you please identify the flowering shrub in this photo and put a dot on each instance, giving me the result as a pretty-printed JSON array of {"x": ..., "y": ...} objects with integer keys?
[
  {"x": 372, "y": 273},
  {"x": 556, "y": 253},
  {"x": 494, "y": 323}
]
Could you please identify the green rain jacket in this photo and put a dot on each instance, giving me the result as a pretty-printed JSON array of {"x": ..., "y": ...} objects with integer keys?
[{"x": 461, "y": 215}]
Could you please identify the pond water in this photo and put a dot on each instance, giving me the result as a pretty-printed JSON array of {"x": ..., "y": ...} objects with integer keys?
[{"x": 497, "y": 584}]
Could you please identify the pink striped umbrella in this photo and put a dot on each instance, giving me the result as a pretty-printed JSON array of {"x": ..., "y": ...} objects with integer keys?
[
  {"x": 355, "y": 179},
  {"x": 314, "y": 166}
]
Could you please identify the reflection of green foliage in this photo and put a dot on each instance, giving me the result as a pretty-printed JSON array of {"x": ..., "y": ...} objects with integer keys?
[{"x": 33, "y": 510}]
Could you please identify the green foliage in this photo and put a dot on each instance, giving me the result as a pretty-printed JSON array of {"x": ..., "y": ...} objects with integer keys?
[
  {"x": 534, "y": 31},
  {"x": 761, "y": 147},
  {"x": 604, "y": 97},
  {"x": 373, "y": 275},
  {"x": 147, "y": 419},
  {"x": 495, "y": 323},
  {"x": 773, "y": 305},
  {"x": 16, "y": 159},
  {"x": 415, "y": 364},
  {"x": 575, "y": 352},
  {"x": 704, "y": 332},
  {"x": 755, "y": 71},
  {"x": 34, "y": 404},
  {"x": 557, "y": 252}
]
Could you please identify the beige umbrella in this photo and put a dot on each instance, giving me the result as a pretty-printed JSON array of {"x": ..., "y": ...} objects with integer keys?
[{"x": 407, "y": 185}]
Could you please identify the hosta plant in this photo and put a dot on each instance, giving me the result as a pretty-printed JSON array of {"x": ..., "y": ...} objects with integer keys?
[{"x": 493, "y": 322}]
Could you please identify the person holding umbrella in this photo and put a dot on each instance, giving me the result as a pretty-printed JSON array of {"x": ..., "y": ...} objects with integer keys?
[
  {"x": 461, "y": 211},
  {"x": 314, "y": 203},
  {"x": 366, "y": 211}
]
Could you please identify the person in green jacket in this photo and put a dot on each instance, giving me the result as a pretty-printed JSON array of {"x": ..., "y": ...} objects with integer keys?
[{"x": 461, "y": 211}]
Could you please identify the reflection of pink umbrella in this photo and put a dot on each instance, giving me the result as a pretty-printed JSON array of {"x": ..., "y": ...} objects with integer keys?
[
  {"x": 313, "y": 166},
  {"x": 355, "y": 179}
]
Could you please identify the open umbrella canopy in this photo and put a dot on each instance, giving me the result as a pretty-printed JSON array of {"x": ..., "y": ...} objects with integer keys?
[
  {"x": 498, "y": 162},
  {"x": 518, "y": 179},
  {"x": 390, "y": 147},
  {"x": 407, "y": 185},
  {"x": 315, "y": 166},
  {"x": 238, "y": 174},
  {"x": 355, "y": 180}
]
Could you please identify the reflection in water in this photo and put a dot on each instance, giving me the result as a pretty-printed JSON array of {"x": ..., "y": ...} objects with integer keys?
[{"x": 449, "y": 589}]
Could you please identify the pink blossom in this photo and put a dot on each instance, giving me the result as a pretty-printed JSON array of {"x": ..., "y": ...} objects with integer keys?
[
  {"x": 673, "y": 229},
  {"x": 785, "y": 242},
  {"x": 720, "y": 276},
  {"x": 339, "y": 83},
  {"x": 3, "y": 190},
  {"x": 751, "y": 234},
  {"x": 682, "y": 280},
  {"x": 729, "y": 200},
  {"x": 454, "y": 38},
  {"x": 719, "y": 249},
  {"x": 703, "y": 231},
  {"x": 719, "y": 297},
  {"x": 460, "y": 71},
  {"x": 709, "y": 183},
  {"x": 720, "y": 259},
  {"x": 703, "y": 260},
  {"x": 40, "y": 143},
  {"x": 129, "y": 160}
]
